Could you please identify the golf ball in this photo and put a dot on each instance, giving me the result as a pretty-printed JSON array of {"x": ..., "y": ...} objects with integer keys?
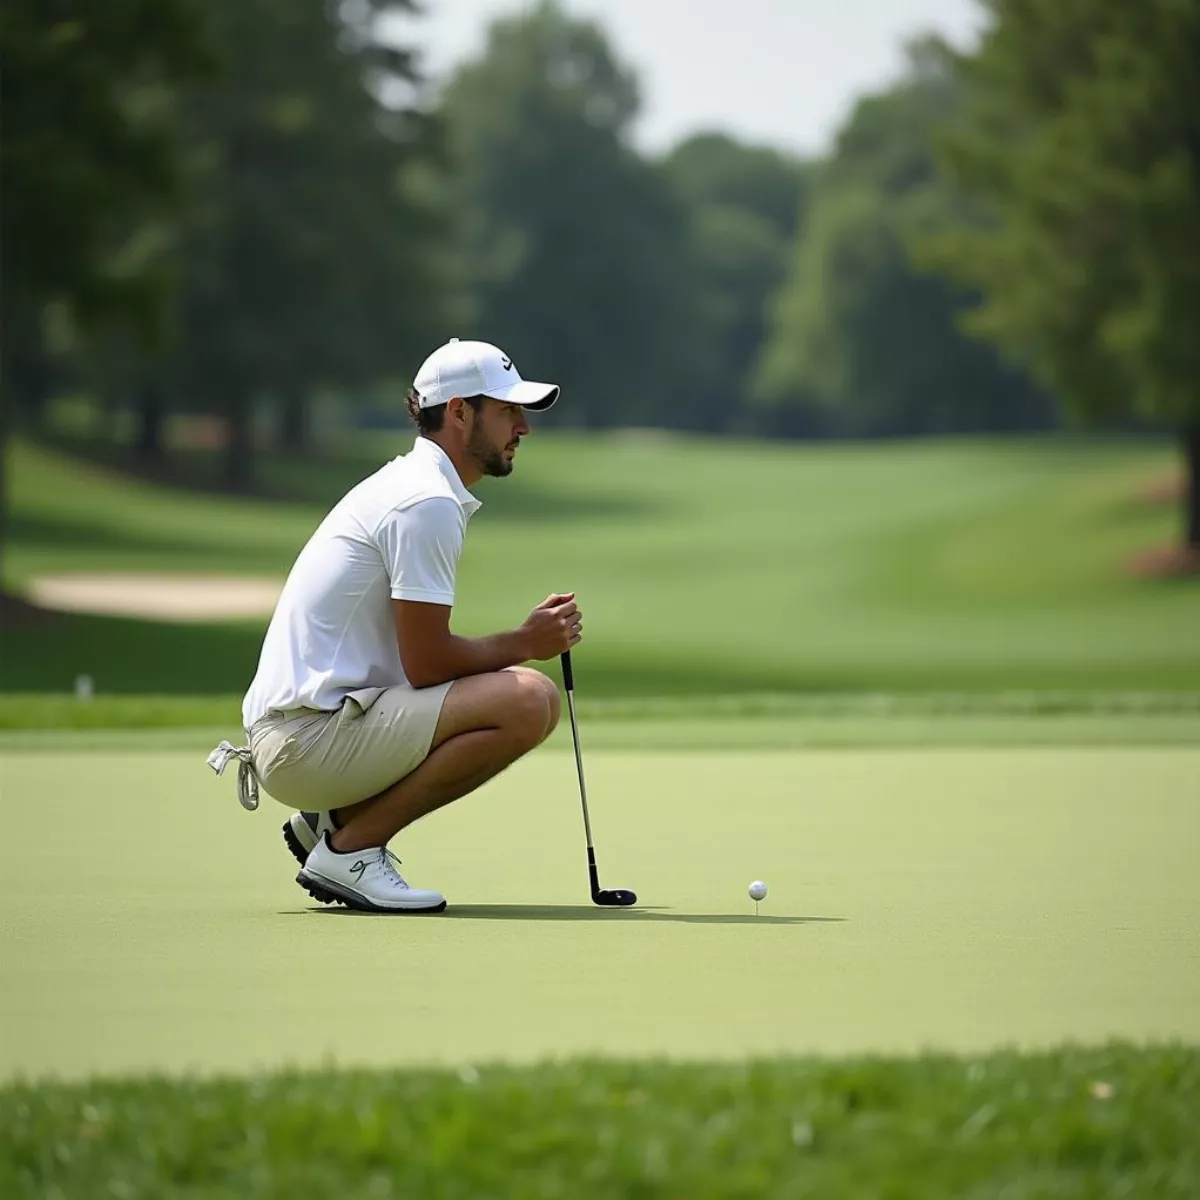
[{"x": 757, "y": 890}]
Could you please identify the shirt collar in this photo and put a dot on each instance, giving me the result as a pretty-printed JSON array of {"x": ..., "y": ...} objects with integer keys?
[{"x": 427, "y": 450}]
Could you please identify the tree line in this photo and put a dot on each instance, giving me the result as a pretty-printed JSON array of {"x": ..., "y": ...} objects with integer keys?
[{"x": 239, "y": 209}]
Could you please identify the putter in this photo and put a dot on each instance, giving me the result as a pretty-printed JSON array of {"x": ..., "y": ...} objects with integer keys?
[{"x": 610, "y": 897}]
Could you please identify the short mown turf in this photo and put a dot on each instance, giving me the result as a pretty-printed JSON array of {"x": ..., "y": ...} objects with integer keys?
[
  {"x": 1107, "y": 1122},
  {"x": 958, "y": 899}
]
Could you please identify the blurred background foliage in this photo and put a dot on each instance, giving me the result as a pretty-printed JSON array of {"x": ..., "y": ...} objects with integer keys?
[{"x": 254, "y": 216}]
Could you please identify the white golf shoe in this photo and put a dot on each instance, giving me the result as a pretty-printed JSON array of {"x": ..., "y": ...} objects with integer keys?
[
  {"x": 363, "y": 879},
  {"x": 303, "y": 830}
]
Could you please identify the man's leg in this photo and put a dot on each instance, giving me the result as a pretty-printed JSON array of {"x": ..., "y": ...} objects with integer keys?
[{"x": 487, "y": 722}]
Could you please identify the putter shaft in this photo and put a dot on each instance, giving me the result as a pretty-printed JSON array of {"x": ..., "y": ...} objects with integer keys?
[
  {"x": 587, "y": 824},
  {"x": 618, "y": 897}
]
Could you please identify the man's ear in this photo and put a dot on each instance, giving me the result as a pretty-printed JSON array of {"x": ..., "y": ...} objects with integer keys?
[{"x": 456, "y": 410}]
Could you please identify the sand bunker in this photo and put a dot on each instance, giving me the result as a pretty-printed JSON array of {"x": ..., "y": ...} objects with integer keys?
[{"x": 156, "y": 596}]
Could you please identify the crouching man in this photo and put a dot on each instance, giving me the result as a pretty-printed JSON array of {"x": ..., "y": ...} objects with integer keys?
[{"x": 366, "y": 711}]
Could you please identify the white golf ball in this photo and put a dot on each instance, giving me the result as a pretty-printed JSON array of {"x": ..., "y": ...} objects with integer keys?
[{"x": 757, "y": 890}]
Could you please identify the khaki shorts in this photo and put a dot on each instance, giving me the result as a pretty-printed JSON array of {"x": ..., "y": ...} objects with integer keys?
[{"x": 314, "y": 760}]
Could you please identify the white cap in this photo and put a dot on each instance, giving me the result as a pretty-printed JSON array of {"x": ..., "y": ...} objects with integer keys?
[{"x": 478, "y": 369}]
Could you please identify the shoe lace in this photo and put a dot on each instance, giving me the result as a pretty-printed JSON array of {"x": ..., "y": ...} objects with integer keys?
[{"x": 389, "y": 862}]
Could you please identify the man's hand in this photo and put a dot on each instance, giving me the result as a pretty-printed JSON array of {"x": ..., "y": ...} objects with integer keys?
[
  {"x": 431, "y": 654},
  {"x": 553, "y": 627}
]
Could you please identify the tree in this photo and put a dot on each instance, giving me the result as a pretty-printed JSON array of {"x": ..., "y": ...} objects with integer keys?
[
  {"x": 1081, "y": 140},
  {"x": 744, "y": 205},
  {"x": 572, "y": 251},
  {"x": 303, "y": 257},
  {"x": 858, "y": 332},
  {"x": 715, "y": 170},
  {"x": 90, "y": 159}
]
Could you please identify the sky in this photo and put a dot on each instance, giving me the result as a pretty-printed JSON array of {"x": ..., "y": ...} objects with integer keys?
[{"x": 776, "y": 72}]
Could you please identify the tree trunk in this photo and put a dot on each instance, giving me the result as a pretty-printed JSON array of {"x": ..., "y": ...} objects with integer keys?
[
  {"x": 28, "y": 370},
  {"x": 1191, "y": 486},
  {"x": 35, "y": 392},
  {"x": 239, "y": 449},
  {"x": 151, "y": 410},
  {"x": 294, "y": 429}
]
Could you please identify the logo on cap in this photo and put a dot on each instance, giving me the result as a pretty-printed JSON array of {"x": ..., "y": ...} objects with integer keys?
[{"x": 507, "y": 362}]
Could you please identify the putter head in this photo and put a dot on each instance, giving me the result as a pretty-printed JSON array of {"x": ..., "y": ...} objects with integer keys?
[{"x": 614, "y": 897}]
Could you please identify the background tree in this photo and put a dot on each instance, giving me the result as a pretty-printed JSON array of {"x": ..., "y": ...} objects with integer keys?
[
  {"x": 1082, "y": 140},
  {"x": 858, "y": 332},
  {"x": 304, "y": 258},
  {"x": 572, "y": 252},
  {"x": 744, "y": 207},
  {"x": 90, "y": 158}
]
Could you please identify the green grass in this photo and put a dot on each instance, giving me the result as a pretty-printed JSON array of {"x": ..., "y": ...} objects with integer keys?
[
  {"x": 717, "y": 733},
  {"x": 956, "y": 899},
  {"x": 917, "y": 693},
  {"x": 1116, "y": 1121},
  {"x": 40, "y": 722},
  {"x": 705, "y": 567},
  {"x": 53, "y": 711}
]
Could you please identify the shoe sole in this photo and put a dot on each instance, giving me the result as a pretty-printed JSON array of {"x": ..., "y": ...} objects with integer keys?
[
  {"x": 327, "y": 892},
  {"x": 294, "y": 844}
]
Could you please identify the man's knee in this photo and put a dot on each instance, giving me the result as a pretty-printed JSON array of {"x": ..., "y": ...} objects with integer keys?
[
  {"x": 555, "y": 704},
  {"x": 526, "y": 712},
  {"x": 535, "y": 682},
  {"x": 521, "y": 701},
  {"x": 553, "y": 700}
]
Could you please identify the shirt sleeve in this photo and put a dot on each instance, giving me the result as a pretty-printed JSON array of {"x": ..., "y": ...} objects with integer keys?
[{"x": 420, "y": 546}]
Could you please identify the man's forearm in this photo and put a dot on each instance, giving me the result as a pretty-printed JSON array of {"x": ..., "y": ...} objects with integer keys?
[{"x": 464, "y": 656}]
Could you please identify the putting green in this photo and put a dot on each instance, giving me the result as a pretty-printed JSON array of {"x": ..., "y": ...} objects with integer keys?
[{"x": 919, "y": 898}]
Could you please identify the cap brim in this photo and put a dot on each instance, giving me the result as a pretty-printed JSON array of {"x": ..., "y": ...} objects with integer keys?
[{"x": 535, "y": 396}]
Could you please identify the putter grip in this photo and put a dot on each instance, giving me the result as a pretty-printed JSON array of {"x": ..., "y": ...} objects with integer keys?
[{"x": 568, "y": 674}]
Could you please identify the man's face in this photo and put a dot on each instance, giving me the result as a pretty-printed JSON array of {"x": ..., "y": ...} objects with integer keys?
[{"x": 496, "y": 430}]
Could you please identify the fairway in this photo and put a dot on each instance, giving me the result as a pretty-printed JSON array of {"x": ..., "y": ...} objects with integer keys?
[
  {"x": 705, "y": 566},
  {"x": 951, "y": 898}
]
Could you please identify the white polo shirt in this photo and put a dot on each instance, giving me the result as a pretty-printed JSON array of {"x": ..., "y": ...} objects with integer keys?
[{"x": 397, "y": 535}]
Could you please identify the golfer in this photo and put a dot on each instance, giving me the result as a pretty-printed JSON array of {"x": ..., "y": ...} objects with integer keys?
[{"x": 366, "y": 711}]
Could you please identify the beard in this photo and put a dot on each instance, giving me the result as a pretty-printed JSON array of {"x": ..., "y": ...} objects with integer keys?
[{"x": 490, "y": 460}]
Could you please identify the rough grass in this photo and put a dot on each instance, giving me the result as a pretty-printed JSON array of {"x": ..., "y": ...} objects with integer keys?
[
  {"x": 1114, "y": 1121},
  {"x": 54, "y": 711},
  {"x": 32, "y": 721},
  {"x": 705, "y": 567}
]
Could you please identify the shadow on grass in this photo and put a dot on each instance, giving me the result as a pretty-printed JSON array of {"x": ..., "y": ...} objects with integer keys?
[
  {"x": 45, "y": 651},
  {"x": 127, "y": 656},
  {"x": 174, "y": 551},
  {"x": 580, "y": 912},
  {"x": 322, "y": 479}
]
